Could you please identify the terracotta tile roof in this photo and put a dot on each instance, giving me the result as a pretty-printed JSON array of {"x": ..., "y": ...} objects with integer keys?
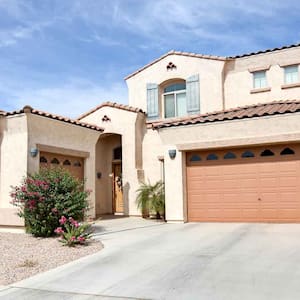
[
  {"x": 173, "y": 52},
  {"x": 114, "y": 105},
  {"x": 29, "y": 109},
  {"x": 250, "y": 111},
  {"x": 265, "y": 51},
  {"x": 214, "y": 57}
]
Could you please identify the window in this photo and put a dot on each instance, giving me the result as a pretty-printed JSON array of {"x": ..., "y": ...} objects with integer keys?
[
  {"x": 55, "y": 161},
  {"x": 117, "y": 153},
  {"x": 77, "y": 164},
  {"x": 291, "y": 74},
  {"x": 212, "y": 156},
  {"x": 67, "y": 163},
  {"x": 287, "y": 151},
  {"x": 267, "y": 152},
  {"x": 247, "y": 154},
  {"x": 195, "y": 157},
  {"x": 229, "y": 155},
  {"x": 259, "y": 80},
  {"x": 175, "y": 100},
  {"x": 43, "y": 160}
]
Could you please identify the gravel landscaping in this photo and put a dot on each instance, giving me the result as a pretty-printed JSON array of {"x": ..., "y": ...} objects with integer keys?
[{"x": 22, "y": 255}]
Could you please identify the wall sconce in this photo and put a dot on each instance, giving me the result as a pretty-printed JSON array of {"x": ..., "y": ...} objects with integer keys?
[
  {"x": 34, "y": 152},
  {"x": 99, "y": 175},
  {"x": 172, "y": 153}
]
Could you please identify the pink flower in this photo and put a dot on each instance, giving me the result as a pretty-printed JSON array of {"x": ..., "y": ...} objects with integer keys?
[
  {"x": 59, "y": 230},
  {"x": 73, "y": 222},
  {"x": 73, "y": 238},
  {"x": 81, "y": 239},
  {"x": 62, "y": 220}
]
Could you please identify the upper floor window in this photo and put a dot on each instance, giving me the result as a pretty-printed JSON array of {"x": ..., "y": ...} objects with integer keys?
[
  {"x": 291, "y": 74},
  {"x": 175, "y": 100},
  {"x": 259, "y": 79}
]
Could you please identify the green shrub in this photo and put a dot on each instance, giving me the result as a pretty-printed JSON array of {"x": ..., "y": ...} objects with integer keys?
[{"x": 44, "y": 197}]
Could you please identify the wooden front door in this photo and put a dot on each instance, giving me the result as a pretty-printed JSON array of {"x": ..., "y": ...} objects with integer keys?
[{"x": 118, "y": 205}]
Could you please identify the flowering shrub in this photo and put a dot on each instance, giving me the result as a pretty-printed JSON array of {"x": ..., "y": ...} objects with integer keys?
[
  {"x": 72, "y": 232},
  {"x": 44, "y": 197}
]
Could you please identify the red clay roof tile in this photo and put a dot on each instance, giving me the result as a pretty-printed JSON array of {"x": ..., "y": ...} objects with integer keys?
[
  {"x": 250, "y": 111},
  {"x": 114, "y": 105},
  {"x": 28, "y": 109}
]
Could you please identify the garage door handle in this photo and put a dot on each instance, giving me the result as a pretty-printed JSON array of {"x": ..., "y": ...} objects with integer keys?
[{"x": 259, "y": 199}]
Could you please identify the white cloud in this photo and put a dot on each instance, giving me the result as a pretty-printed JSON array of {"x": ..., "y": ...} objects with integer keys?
[{"x": 70, "y": 99}]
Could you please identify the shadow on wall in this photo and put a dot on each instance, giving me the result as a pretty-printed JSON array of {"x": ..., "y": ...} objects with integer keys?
[{"x": 126, "y": 188}]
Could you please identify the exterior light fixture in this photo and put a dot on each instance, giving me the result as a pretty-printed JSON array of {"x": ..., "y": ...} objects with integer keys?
[
  {"x": 172, "y": 153},
  {"x": 34, "y": 152}
]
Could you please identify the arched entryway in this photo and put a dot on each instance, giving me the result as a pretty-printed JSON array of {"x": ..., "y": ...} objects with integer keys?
[{"x": 109, "y": 185}]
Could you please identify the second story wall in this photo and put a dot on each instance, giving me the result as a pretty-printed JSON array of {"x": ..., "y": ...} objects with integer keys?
[
  {"x": 206, "y": 76},
  {"x": 239, "y": 84}
]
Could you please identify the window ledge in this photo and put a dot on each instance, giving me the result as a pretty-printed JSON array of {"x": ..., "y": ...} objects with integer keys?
[
  {"x": 257, "y": 69},
  {"x": 290, "y": 85},
  {"x": 260, "y": 90}
]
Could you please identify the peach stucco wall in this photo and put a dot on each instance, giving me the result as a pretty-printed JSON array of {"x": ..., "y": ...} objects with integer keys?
[
  {"x": 210, "y": 74},
  {"x": 22, "y": 132},
  {"x": 239, "y": 81},
  {"x": 59, "y": 137},
  {"x": 128, "y": 125},
  {"x": 13, "y": 155}
]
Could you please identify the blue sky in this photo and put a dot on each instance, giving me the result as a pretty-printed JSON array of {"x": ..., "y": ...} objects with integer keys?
[{"x": 68, "y": 56}]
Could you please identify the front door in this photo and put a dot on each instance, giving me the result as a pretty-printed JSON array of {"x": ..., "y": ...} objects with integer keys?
[{"x": 118, "y": 205}]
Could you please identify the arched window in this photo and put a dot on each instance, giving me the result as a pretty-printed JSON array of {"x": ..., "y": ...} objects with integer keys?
[
  {"x": 55, "y": 161},
  {"x": 67, "y": 163},
  {"x": 175, "y": 100},
  {"x": 229, "y": 155},
  {"x": 248, "y": 154},
  {"x": 43, "y": 160},
  {"x": 287, "y": 151},
  {"x": 267, "y": 152},
  {"x": 212, "y": 156},
  {"x": 77, "y": 163},
  {"x": 195, "y": 157}
]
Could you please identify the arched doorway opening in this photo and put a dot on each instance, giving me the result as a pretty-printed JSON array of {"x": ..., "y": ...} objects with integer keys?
[{"x": 109, "y": 186}]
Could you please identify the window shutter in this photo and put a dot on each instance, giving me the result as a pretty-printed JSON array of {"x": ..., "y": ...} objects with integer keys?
[
  {"x": 193, "y": 95},
  {"x": 152, "y": 100}
]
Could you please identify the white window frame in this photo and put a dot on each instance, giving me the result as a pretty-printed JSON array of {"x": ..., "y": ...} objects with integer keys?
[
  {"x": 260, "y": 79},
  {"x": 285, "y": 74},
  {"x": 175, "y": 93}
]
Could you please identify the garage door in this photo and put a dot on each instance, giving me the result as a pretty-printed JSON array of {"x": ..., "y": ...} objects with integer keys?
[
  {"x": 244, "y": 185},
  {"x": 71, "y": 163}
]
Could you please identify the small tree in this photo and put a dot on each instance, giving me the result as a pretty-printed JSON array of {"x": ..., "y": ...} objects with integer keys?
[
  {"x": 44, "y": 197},
  {"x": 151, "y": 198}
]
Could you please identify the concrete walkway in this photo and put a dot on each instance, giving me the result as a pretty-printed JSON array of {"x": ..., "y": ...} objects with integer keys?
[{"x": 177, "y": 261}]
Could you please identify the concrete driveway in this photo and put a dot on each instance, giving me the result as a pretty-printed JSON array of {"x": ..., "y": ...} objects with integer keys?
[{"x": 148, "y": 260}]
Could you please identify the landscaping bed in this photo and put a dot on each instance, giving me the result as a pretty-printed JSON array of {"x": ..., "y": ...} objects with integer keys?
[{"x": 23, "y": 255}]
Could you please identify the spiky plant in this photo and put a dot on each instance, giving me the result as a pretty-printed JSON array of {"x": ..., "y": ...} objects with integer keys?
[{"x": 151, "y": 198}]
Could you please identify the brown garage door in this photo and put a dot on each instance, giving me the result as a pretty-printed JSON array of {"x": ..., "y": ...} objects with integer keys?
[
  {"x": 244, "y": 185},
  {"x": 71, "y": 163}
]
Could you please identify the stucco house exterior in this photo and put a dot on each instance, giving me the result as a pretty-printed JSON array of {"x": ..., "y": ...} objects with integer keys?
[{"x": 223, "y": 133}]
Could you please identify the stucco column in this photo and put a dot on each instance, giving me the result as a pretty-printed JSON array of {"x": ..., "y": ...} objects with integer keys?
[{"x": 174, "y": 186}]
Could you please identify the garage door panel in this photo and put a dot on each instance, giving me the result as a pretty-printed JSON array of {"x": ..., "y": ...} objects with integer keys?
[
  {"x": 252, "y": 189},
  {"x": 73, "y": 164}
]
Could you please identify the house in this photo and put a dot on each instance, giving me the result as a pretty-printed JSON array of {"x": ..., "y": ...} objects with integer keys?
[{"x": 222, "y": 132}]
